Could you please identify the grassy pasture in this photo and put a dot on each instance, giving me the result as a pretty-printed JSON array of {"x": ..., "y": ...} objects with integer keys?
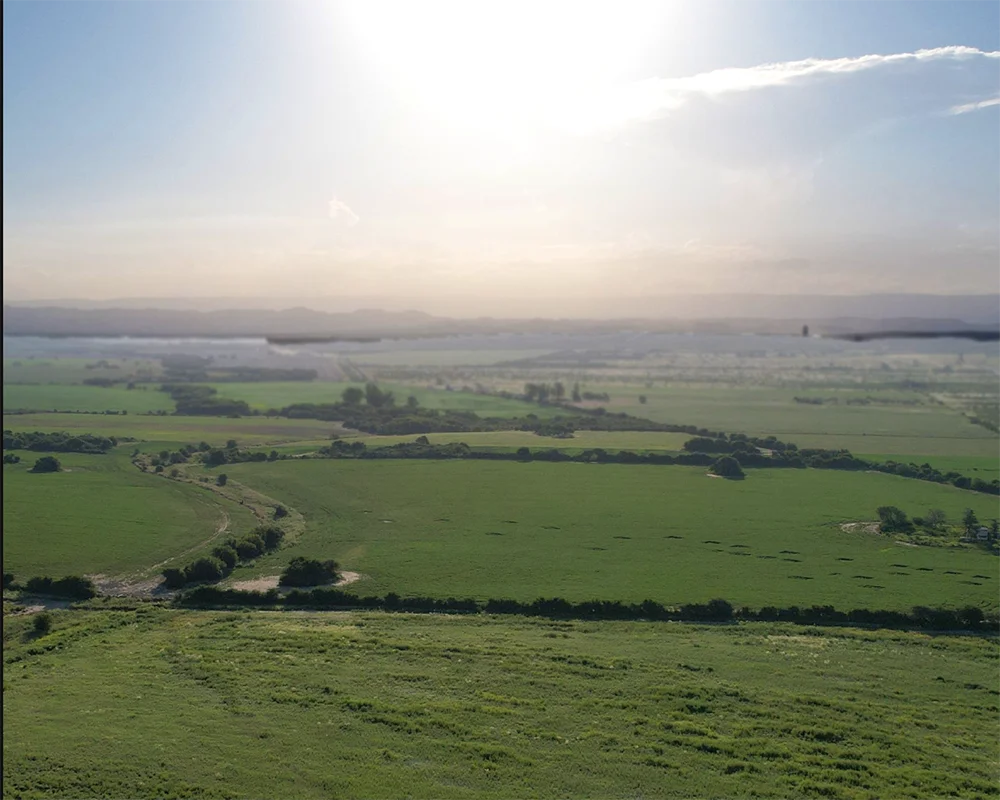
[
  {"x": 925, "y": 429},
  {"x": 161, "y": 703},
  {"x": 71, "y": 397},
  {"x": 179, "y": 430},
  {"x": 101, "y": 515},
  {"x": 283, "y": 393},
  {"x": 582, "y": 531}
]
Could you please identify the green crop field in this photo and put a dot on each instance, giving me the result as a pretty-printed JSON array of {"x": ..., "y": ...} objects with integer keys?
[
  {"x": 159, "y": 703},
  {"x": 584, "y": 531},
  {"x": 101, "y": 515},
  {"x": 67, "y": 397},
  {"x": 929, "y": 429},
  {"x": 263, "y": 396},
  {"x": 179, "y": 430}
]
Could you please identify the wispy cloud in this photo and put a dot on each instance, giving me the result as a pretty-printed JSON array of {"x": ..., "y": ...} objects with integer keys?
[
  {"x": 339, "y": 210},
  {"x": 658, "y": 97},
  {"x": 968, "y": 107}
]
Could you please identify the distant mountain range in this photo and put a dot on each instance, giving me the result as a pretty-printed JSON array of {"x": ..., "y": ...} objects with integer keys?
[{"x": 765, "y": 314}]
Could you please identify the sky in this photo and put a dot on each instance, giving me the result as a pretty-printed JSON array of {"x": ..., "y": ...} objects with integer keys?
[{"x": 499, "y": 158}]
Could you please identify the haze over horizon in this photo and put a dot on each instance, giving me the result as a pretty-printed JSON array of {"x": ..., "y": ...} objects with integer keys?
[{"x": 500, "y": 159}]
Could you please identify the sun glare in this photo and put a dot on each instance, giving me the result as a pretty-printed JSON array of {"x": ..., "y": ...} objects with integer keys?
[{"x": 516, "y": 67}]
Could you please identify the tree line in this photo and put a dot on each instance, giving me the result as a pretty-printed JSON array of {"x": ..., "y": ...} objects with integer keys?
[
  {"x": 968, "y": 618},
  {"x": 224, "y": 558},
  {"x": 58, "y": 442}
]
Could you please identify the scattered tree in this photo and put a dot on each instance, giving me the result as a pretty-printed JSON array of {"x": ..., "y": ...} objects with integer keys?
[
  {"x": 280, "y": 511},
  {"x": 576, "y": 393},
  {"x": 935, "y": 518},
  {"x": 222, "y": 480},
  {"x": 893, "y": 520},
  {"x": 411, "y": 403},
  {"x": 47, "y": 464},
  {"x": 970, "y": 521},
  {"x": 352, "y": 396},
  {"x": 42, "y": 623},
  {"x": 642, "y": 399},
  {"x": 727, "y": 467}
]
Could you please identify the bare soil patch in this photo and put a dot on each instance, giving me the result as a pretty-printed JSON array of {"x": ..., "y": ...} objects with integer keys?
[{"x": 860, "y": 527}]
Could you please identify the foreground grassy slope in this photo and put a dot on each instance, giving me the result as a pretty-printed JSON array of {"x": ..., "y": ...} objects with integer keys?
[
  {"x": 101, "y": 515},
  {"x": 580, "y": 531},
  {"x": 162, "y": 703}
]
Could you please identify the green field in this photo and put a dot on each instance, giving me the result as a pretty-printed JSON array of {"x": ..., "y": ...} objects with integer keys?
[
  {"x": 179, "y": 430},
  {"x": 264, "y": 396},
  {"x": 584, "y": 531},
  {"x": 927, "y": 429},
  {"x": 161, "y": 703},
  {"x": 101, "y": 515},
  {"x": 67, "y": 397}
]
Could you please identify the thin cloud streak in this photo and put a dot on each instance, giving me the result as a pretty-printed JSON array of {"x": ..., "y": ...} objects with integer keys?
[
  {"x": 969, "y": 107},
  {"x": 657, "y": 97}
]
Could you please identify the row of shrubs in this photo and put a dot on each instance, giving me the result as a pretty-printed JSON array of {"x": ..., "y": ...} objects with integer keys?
[
  {"x": 225, "y": 557},
  {"x": 58, "y": 442},
  {"x": 970, "y": 618},
  {"x": 72, "y": 587}
]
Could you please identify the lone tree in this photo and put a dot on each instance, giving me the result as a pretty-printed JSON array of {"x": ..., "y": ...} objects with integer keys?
[
  {"x": 893, "y": 520},
  {"x": 222, "y": 480},
  {"x": 47, "y": 464},
  {"x": 727, "y": 467}
]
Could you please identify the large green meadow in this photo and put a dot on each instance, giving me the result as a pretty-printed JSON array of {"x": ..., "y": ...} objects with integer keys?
[
  {"x": 73, "y": 397},
  {"x": 584, "y": 531},
  {"x": 101, "y": 515},
  {"x": 160, "y": 703}
]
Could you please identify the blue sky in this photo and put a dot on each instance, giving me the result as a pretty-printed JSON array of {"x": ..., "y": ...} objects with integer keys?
[{"x": 425, "y": 154}]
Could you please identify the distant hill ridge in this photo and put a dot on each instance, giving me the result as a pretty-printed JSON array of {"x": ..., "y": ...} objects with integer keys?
[{"x": 24, "y": 320}]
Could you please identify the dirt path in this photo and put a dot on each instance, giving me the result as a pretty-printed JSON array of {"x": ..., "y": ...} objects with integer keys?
[{"x": 149, "y": 583}]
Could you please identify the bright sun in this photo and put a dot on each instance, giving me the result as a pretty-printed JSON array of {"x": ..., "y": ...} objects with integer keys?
[{"x": 512, "y": 66}]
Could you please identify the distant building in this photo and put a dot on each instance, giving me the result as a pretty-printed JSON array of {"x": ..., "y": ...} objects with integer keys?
[{"x": 983, "y": 534}]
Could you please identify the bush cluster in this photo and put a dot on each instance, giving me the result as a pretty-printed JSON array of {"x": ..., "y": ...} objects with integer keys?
[
  {"x": 225, "y": 557},
  {"x": 58, "y": 442},
  {"x": 72, "y": 587},
  {"x": 309, "y": 572}
]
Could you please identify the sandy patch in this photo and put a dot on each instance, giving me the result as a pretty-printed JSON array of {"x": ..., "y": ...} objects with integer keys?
[{"x": 860, "y": 527}]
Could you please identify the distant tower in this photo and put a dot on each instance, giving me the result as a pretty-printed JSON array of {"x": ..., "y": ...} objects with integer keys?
[{"x": 805, "y": 331}]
